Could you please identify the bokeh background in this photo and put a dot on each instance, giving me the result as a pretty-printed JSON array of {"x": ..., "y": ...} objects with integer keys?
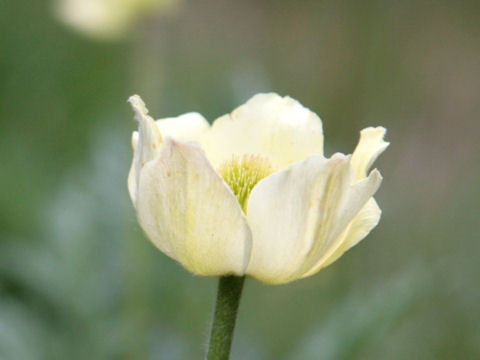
[{"x": 78, "y": 279}]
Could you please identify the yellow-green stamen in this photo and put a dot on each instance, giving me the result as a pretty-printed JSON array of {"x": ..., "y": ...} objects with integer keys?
[{"x": 243, "y": 173}]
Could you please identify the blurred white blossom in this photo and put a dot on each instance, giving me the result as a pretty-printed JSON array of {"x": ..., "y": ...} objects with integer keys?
[{"x": 108, "y": 19}]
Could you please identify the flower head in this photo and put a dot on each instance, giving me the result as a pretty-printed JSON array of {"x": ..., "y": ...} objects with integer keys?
[{"x": 253, "y": 193}]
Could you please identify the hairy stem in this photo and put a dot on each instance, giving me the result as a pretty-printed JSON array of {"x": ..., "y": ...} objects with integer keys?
[{"x": 226, "y": 307}]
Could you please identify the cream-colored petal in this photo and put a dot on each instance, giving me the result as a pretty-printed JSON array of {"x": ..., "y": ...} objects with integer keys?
[
  {"x": 284, "y": 211},
  {"x": 191, "y": 127},
  {"x": 132, "y": 181},
  {"x": 296, "y": 215},
  {"x": 357, "y": 230},
  {"x": 357, "y": 196},
  {"x": 370, "y": 146},
  {"x": 278, "y": 210},
  {"x": 277, "y": 127},
  {"x": 189, "y": 213},
  {"x": 146, "y": 144}
]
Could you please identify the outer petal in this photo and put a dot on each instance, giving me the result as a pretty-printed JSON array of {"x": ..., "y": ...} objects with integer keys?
[
  {"x": 190, "y": 126},
  {"x": 370, "y": 146},
  {"x": 280, "y": 128},
  {"x": 146, "y": 143},
  {"x": 358, "y": 228},
  {"x": 308, "y": 205},
  {"x": 353, "y": 217},
  {"x": 189, "y": 213},
  {"x": 132, "y": 179}
]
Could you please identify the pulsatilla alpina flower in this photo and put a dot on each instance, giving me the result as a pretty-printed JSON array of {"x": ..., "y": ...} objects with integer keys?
[{"x": 253, "y": 193}]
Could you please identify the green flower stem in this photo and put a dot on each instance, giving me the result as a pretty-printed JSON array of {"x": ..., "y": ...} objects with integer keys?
[{"x": 228, "y": 299}]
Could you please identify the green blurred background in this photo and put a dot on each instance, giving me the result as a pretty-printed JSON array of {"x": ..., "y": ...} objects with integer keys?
[{"x": 78, "y": 279}]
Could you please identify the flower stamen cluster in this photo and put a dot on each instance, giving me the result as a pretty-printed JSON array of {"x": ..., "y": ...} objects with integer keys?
[{"x": 243, "y": 173}]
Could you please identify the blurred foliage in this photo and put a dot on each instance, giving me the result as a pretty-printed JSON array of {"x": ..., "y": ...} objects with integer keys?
[{"x": 79, "y": 280}]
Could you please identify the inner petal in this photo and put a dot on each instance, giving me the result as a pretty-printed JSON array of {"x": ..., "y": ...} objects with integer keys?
[
  {"x": 278, "y": 127},
  {"x": 242, "y": 173}
]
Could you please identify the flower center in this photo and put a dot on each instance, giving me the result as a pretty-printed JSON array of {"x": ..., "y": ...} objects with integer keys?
[{"x": 243, "y": 173}]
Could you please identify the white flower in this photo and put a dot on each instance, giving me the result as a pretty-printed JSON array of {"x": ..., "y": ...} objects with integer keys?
[
  {"x": 107, "y": 19},
  {"x": 252, "y": 194}
]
